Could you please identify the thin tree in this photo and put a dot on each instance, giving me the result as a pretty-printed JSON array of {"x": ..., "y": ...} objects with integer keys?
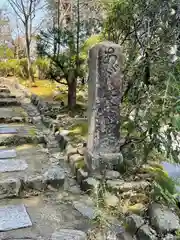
[{"x": 26, "y": 12}]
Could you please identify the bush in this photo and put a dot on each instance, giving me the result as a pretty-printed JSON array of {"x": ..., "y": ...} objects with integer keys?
[
  {"x": 14, "y": 67},
  {"x": 43, "y": 65}
]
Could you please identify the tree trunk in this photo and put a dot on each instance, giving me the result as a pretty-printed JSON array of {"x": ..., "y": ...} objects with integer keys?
[
  {"x": 30, "y": 72},
  {"x": 72, "y": 93}
]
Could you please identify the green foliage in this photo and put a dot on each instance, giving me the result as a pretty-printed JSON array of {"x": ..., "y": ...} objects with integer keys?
[
  {"x": 6, "y": 52},
  {"x": 92, "y": 40},
  {"x": 43, "y": 66},
  {"x": 150, "y": 99},
  {"x": 164, "y": 187},
  {"x": 14, "y": 67}
]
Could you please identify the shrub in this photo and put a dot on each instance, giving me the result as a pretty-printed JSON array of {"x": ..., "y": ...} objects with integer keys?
[{"x": 43, "y": 65}]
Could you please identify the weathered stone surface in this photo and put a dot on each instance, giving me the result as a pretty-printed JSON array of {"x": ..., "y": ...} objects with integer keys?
[
  {"x": 10, "y": 187},
  {"x": 116, "y": 227},
  {"x": 146, "y": 233},
  {"x": 6, "y": 95},
  {"x": 104, "y": 94},
  {"x": 120, "y": 185},
  {"x": 125, "y": 236},
  {"x": 110, "y": 200},
  {"x": 7, "y": 154},
  {"x": 9, "y": 102},
  {"x": 14, "y": 217},
  {"x": 36, "y": 119},
  {"x": 82, "y": 150},
  {"x": 163, "y": 219},
  {"x": 89, "y": 184},
  {"x": 110, "y": 175},
  {"x": 70, "y": 150},
  {"x": 12, "y": 165},
  {"x": 55, "y": 176},
  {"x": 81, "y": 175},
  {"x": 75, "y": 158},
  {"x": 85, "y": 210},
  {"x": 134, "y": 222},
  {"x": 69, "y": 234},
  {"x": 19, "y": 119},
  {"x": 170, "y": 237},
  {"x": 4, "y": 90},
  {"x": 76, "y": 162},
  {"x": 35, "y": 182}
]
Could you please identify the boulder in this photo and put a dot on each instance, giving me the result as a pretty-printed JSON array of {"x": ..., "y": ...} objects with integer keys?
[
  {"x": 134, "y": 222},
  {"x": 121, "y": 186},
  {"x": 90, "y": 183},
  {"x": 87, "y": 211},
  {"x": 55, "y": 176},
  {"x": 35, "y": 182},
  {"x": 10, "y": 187},
  {"x": 146, "y": 233},
  {"x": 163, "y": 219},
  {"x": 81, "y": 175},
  {"x": 170, "y": 237}
]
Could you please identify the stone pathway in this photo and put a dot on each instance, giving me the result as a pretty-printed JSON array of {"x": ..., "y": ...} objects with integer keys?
[{"x": 36, "y": 188}]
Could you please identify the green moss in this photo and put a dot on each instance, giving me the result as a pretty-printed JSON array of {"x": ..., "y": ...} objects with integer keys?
[
  {"x": 32, "y": 132},
  {"x": 80, "y": 129},
  {"x": 80, "y": 164}
]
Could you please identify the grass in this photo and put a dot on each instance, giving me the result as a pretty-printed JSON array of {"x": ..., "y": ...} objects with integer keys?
[
  {"x": 45, "y": 88},
  {"x": 77, "y": 132}
]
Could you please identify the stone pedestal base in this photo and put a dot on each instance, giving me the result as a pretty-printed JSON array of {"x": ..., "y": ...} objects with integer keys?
[{"x": 102, "y": 161}]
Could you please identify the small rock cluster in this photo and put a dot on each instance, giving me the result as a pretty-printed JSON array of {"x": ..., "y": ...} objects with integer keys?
[
  {"x": 160, "y": 223},
  {"x": 13, "y": 187},
  {"x": 46, "y": 108}
]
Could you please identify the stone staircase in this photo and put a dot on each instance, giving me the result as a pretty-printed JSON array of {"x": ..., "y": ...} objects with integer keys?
[{"x": 36, "y": 190}]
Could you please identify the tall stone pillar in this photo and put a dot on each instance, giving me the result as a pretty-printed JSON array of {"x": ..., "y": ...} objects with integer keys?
[{"x": 104, "y": 95}]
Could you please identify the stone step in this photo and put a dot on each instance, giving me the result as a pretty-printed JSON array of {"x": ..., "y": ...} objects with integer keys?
[
  {"x": 42, "y": 218},
  {"x": 6, "y": 95},
  {"x": 9, "y": 153},
  {"x": 13, "y": 115},
  {"x": 18, "y": 134},
  {"x": 9, "y": 102},
  {"x": 31, "y": 169},
  {"x": 4, "y": 90},
  {"x": 14, "y": 217},
  {"x": 14, "y": 120}
]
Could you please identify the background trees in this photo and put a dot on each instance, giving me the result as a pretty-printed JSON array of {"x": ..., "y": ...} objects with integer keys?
[
  {"x": 148, "y": 33},
  {"x": 26, "y": 10},
  {"x": 63, "y": 41}
]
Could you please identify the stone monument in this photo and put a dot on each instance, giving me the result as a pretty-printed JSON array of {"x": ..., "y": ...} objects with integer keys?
[{"x": 104, "y": 96}]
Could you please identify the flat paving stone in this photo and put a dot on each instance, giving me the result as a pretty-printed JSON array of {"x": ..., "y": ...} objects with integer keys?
[
  {"x": 48, "y": 213},
  {"x": 8, "y": 130},
  {"x": 4, "y": 154},
  {"x": 14, "y": 217},
  {"x": 10, "y": 112},
  {"x": 12, "y": 165}
]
